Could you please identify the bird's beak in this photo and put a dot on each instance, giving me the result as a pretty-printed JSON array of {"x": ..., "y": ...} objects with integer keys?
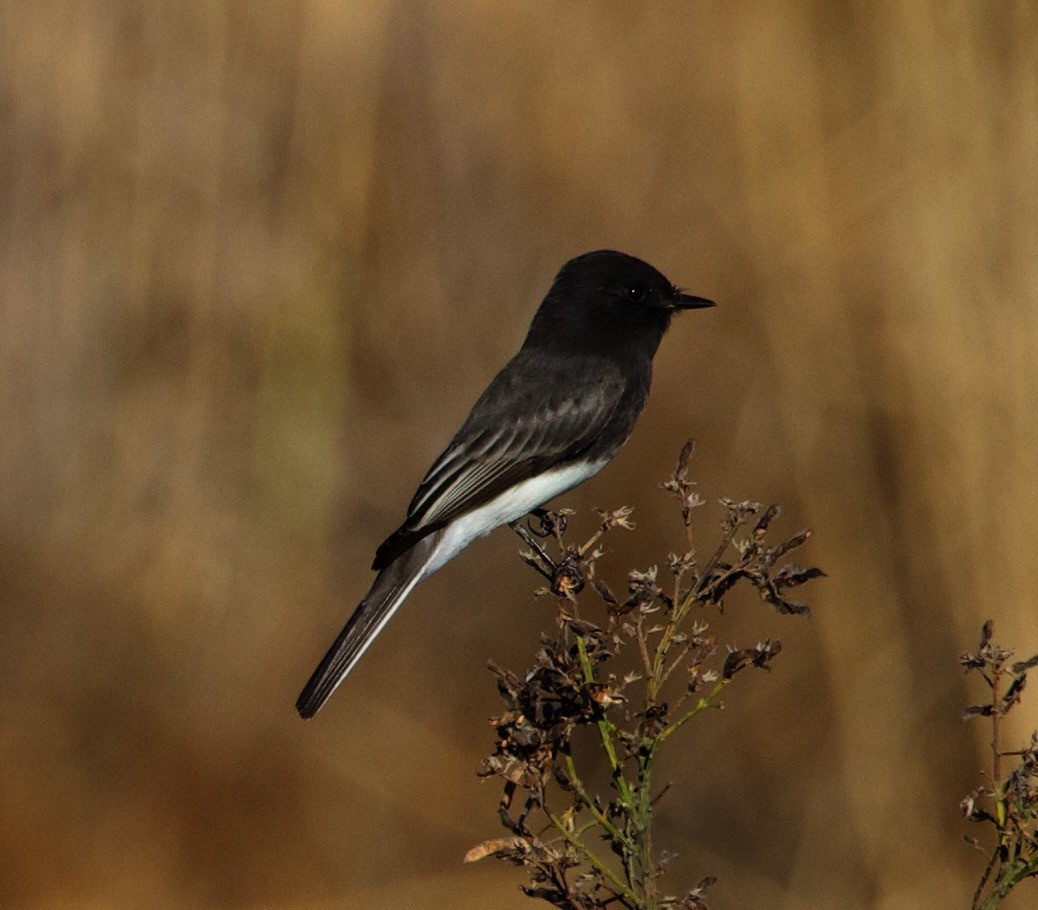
[{"x": 682, "y": 301}]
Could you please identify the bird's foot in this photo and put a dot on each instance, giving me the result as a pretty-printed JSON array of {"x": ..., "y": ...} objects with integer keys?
[
  {"x": 549, "y": 524},
  {"x": 538, "y": 557},
  {"x": 565, "y": 576}
]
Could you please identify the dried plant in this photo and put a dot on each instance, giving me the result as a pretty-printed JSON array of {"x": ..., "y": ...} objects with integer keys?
[
  {"x": 582, "y": 849},
  {"x": 1009, "y": 803}
]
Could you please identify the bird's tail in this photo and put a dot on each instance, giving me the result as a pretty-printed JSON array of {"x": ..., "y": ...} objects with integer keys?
[{"x": 392, "y": 585}]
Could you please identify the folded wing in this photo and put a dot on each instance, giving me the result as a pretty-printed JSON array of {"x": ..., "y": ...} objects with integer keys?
[{"x": 505, "y": 440}]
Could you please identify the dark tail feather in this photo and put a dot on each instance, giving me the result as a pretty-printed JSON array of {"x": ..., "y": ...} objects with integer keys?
[{"x": 392, "y": 585}]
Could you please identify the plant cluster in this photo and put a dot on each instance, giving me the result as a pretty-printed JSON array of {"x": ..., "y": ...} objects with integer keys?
[
  {"x": 1008, "y": 803},
  {"x": 583, "y": 849}
]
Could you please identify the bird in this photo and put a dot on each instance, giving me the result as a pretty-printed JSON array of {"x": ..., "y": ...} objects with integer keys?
[{"x": 554, "y": 416}]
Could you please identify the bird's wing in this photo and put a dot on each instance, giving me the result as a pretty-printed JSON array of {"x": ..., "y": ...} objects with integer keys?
[{"x": 506, "y": 439}]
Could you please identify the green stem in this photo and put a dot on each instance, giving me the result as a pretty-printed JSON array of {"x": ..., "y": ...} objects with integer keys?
[
  {"x": 599, "y": 817},
  {"x": 707, "y": 701},
  {"x": 1008, "y": 878},
  {"x": 643, "y": 820},
  {"x": 584, "y": 828},
  {"x": 659, "y": 676},
  {"x": 622, "y": 891},
  {"x": 606, "y": 729}
]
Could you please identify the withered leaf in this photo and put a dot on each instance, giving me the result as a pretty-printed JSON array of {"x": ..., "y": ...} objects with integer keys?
[
  {"x": 496, "y": 846},
  {"x": 766, "y": 519},
  {"x": 971, "y": 661},
  {"x": 986, "y": 631},
  {"x": 978, "y": 711},
  {"x": 603, "y": 591},
  {"x": 1022, "y": 665},
  {"x": 791, "y": 575},
  {"x": 1012, "y": 695},
  {"x": 797, "y": 540}
]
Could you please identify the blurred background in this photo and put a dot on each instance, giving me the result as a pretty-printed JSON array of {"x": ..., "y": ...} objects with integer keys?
[{"x": 256, "y": 262}]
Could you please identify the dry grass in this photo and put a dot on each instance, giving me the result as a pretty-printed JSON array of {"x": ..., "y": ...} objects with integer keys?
[{"x": 237, "y": 243}]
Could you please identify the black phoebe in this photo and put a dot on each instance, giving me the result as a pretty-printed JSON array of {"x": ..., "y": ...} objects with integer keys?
[{"x": 553, "y": 417}]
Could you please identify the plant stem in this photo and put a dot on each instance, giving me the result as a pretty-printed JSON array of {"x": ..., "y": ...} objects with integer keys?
[
  {"x": 623, "y": 892},
  {"x": 633, "y": 833},
  {"x": 983, "y": 881},
  {"x": 659, "y": 675},
  {"x": 605, "y": 726},
  {"x": 707, "y": 701},
  {"x": 643, "y": 816},
  {"x": 597, "y": 813},
  {"x": 996, "y": 760}
]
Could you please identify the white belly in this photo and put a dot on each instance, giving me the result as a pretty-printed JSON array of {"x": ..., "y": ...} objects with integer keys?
[{"x": 510, "y": 505}]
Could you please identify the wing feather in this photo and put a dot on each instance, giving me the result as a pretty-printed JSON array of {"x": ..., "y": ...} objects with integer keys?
[{"x": 507, "y": 439}]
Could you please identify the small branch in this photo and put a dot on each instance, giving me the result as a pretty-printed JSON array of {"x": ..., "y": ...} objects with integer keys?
[
  {"x": 621, "y": 890},
  {"x": 976, "y": 905},
  {"x": 996, "y": 715},
  {"x": 698, "y": 589},
  {"x": 599, "y": 816},
  {"x": 605, "y": 727},
  {"x": 704, "y": 703},
  {"x": 643, "y": 645}
]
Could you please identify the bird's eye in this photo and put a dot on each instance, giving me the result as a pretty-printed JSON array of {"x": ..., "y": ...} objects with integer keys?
[{"x": 636, "y": 293}]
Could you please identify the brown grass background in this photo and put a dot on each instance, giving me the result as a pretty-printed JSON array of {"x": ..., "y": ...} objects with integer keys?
[{"x": 256, "y": 262}]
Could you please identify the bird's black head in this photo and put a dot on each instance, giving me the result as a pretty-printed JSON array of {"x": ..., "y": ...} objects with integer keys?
[{"x": 611, "y": 298}]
